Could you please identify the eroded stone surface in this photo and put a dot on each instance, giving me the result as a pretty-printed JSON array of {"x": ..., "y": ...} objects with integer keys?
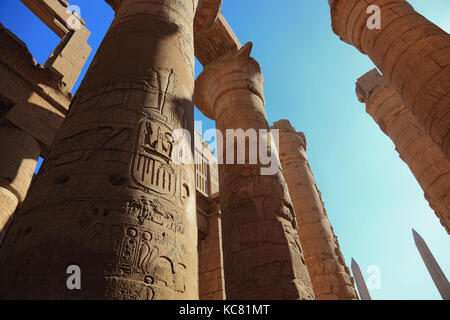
[
  {"x": 263, "y": 258},
  {"x": 412, "y": 53},
  {"x": 330, "y": 276},
  {"x": 425, "y": 159}
]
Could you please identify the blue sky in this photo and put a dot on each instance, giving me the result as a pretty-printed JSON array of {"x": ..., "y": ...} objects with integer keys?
[{"x": 372, "y": 198}]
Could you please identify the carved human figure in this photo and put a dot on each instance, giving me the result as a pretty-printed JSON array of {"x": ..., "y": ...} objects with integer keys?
[
  {"x": 330, "y": 276},
  {"x": 412, "y": 53},
  {"x": 425, "y": 159},
  {"x": 109, "y": 198},
  {"x": 263, "y": 258}
]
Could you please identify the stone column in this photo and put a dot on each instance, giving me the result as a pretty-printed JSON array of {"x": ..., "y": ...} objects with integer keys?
[
  {"x": 18, "y": 157},
  {"x": 425, "y": 159},
  {"x": 412, "y": 53},
  {"x": 329, "y": 274},
  {"x": 263, "y": 258},
  {"x": 110, "y": 198}
]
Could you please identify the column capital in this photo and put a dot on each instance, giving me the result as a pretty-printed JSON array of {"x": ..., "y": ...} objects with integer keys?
[
  {"x": 369, "y": 84},
  {"x": 235, "y": 70},
  {"x": 286, "y": 127},
  {"x": 349, "y": 18}
]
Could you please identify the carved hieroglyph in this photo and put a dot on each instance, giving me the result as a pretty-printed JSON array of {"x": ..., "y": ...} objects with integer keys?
[
  {"x": 109, "y": 198},
  {"x": 425, "y": 159},
  {"x": 263, "y": 258},
  {"x": 412, "y": 53},
  {"x": 329, "y": 274},
  {"x": 19, "y": 153}
]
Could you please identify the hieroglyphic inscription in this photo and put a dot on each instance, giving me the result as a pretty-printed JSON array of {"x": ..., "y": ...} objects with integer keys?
[{"x": 89, "y": 144}]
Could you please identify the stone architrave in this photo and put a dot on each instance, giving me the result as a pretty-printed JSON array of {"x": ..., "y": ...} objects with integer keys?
[
  {"x": 263, "y": 258},
  {"x": 330, "y": 276},
  {"x": 109, "y": 197},
  {"x": 19, "y": 154},
  {"x": 425, "y": 159},
  {"x": 412, "y": 53}
]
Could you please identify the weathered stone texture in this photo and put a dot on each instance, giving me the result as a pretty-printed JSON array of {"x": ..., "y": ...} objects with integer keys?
[
  {"x": 263, "y": 258},
  {"x": 329, "y": 274},
  {"x": 425, "y": 159},
  {"x": 412, "y": 53},
  {"x": 109, "y": 197}
]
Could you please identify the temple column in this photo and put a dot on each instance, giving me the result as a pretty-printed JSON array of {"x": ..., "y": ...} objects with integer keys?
[
  {"x": 330, "y": 276},
  {"x": 263, "y": 258},
  {"x": 110, "y": 198},
  {"x": 412, "y": 53},
  {"x": 19, "y": 153},
  {"x": 425, "y": 159}
]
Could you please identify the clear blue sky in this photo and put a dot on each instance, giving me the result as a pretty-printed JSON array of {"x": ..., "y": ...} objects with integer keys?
[{"x": 371, "y": 196}]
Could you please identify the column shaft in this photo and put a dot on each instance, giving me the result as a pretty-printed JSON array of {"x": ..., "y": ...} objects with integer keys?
[
  {"x": 329, "y": 274},
  {"x": 412, "y": 53},
  {"x": 425, "y": 159},
  {"x": 19, "y": 153},
  {"x": 109, "y": 198},
  {"x": 263, "y": 258}
]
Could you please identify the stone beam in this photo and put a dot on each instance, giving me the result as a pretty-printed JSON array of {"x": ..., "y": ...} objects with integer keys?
[
  {"x": 72, "y": 52},
  {"x": 213, "y": 38},
  {"x": 37, "y": 104},
  {"x": 216, "y": 41},
  {"x": 53, "y": 13}
]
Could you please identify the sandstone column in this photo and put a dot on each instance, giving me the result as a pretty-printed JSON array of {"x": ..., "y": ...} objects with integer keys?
[
  {"x": 19, "y": 152},
  {"x": 412, "y": 53},
  {"x": 425, "y": 159},
  {"x": 263, "y": 258},
  {"x": 110, "y": 198},
  {"x": 329, "y": 274}
]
